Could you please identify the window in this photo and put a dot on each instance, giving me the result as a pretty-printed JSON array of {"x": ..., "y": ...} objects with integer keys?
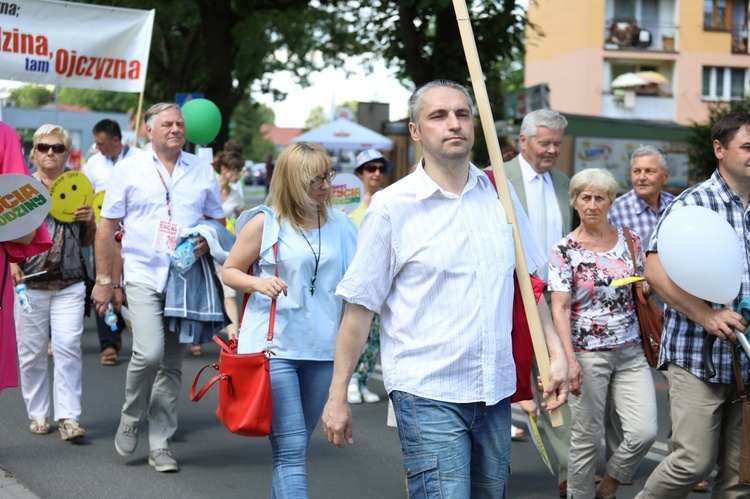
[
  {"x": 724, "y": 83},
  {"x": 717, "y": 14}
]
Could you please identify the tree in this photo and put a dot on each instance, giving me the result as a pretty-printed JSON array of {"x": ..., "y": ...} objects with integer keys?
[
  {"x": 32, "y": 95},
  {"x": 318, "y": 116},
  {"x": 100, "y": 100},
  {"x": 247, "y": 119},
  {"x": 700, "y": 149}
]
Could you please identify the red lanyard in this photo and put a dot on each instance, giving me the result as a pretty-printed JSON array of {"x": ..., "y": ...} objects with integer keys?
[{"x": 166, "y": 189}]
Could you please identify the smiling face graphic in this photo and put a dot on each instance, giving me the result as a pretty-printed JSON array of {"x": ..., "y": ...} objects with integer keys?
[{"x": 69, "y": 191}]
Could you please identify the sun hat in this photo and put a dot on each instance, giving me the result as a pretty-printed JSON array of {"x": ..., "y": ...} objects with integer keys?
[{"x": 371, "y": 155}]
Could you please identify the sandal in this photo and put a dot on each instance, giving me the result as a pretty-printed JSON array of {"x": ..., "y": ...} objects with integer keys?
[
  {"x": 110, "y": 357},
  {"x": 196, "y": 350},
  {"x": 69, "y": 429},
  {"x": 39, "y": 426}
]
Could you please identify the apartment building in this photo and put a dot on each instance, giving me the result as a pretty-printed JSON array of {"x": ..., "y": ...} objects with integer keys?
[{"x": 699, "y": 46}]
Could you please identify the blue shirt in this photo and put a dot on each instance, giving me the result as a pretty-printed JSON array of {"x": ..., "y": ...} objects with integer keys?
[
  {"x": 630, "y": 210},
  {"x": 682, "y": 339},
  {"x": 306, "y": 325}
]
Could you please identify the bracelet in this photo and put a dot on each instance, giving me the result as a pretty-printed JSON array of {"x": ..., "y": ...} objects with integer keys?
[{"x": 116, "y": 286}]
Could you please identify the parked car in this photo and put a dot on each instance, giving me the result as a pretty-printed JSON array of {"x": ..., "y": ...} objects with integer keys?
[{"x": 254, "y": 174}]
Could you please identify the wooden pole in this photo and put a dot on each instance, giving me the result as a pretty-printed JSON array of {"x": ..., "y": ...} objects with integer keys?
[
  {"x": 503, "y": 194},
  {"x": 138, "y": 117}
]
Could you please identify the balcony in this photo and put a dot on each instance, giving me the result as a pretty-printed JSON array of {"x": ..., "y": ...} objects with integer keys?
[
  {"x": 640, "y": 35},
  {"x": 739, "y": 39},
  {"x": 638, "y": 107}
]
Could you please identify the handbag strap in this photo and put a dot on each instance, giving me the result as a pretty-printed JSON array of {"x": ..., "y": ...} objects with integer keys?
[
  {"x": 272, "y": 320},
  {"x": 629, "y": 240}
]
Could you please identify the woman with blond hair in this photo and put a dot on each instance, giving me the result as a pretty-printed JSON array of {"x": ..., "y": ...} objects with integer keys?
[
  {"x": 58, "y": 297},
  {"x": 314, "y": 246},
  {"x": 601, "y": 337}
]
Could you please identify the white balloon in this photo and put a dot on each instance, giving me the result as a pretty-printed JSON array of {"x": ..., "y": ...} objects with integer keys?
[{"x": 702, "y": 254}]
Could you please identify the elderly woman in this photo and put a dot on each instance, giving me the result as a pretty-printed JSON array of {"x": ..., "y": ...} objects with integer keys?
[
  {"x": 600, "y": 333},
  {"x": 372, "y": 167},
  {"x": 58, "y": 298},
  {"x": 315, "y": 245}
]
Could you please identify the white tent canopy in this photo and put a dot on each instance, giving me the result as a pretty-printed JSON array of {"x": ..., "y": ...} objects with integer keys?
[{"x": 345, "y": 135}]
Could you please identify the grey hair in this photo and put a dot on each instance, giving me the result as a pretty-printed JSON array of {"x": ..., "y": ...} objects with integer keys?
[
  {"x": 416, "y": 101},
  {"x": 642, "y": 150},
  {"x": 595, "y": 179},
  {"x": 542, "y": 117},
  {"x": 45, "y": 130},
  {"x": 150, "y": 115}
]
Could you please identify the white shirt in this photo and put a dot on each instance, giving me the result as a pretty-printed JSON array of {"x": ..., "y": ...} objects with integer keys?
[
  {"x": 554, "y": 217},
  {"x": 99, "y": 167},
  {"x": 440, "y": 267},
  {"x": 137, "y": 195}
]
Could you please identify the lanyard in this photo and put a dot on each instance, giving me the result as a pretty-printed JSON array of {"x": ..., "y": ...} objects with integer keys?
[{"x": 166, "y": 189}]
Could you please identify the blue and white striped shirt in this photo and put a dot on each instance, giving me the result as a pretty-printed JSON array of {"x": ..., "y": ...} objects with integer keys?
[
  {"x": 440, "y": 267},
  {"x": 682, "y": 339}
]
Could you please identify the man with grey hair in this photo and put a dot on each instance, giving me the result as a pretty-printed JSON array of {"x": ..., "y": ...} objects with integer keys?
[
  {"x": 640, "y": 208},
  {"x": 423, "y": 259},
  {"x": 154, "y": 194},
  {"x": 543, "y": 192}
]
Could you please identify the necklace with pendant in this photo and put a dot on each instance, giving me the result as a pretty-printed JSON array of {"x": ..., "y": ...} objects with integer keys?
[{"x": 317, "y": 257}]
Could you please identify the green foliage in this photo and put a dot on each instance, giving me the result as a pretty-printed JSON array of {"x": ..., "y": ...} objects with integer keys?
[
  {"x": 100, "y": 100},
  {"x": 318, "y": 116},
  {"x": 247, "y": 118},
  {"x": 33, "y": 95},
  {"x": 700, "y": 149}
]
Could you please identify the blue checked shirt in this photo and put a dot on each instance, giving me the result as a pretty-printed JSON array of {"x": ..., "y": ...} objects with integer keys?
[
  {"x": 682, "y": 339},
  {"x": 630, "y": 210}
]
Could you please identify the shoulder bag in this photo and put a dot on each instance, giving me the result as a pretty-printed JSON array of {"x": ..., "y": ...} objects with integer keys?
[
  {"x": 650, "y": 317},
  {"x": 245, "y": 397}
]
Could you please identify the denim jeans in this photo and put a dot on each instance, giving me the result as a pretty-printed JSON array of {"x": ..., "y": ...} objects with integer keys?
[
  {"x": 300, "y": 390},
  {"x": 453, "y": 450}
]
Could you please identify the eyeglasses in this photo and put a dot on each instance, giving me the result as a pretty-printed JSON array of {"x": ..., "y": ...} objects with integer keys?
[
  {"x": 317, "y": 182},
  {"x": 374, "y": 168},
  {"x": 56, "y": 148}
]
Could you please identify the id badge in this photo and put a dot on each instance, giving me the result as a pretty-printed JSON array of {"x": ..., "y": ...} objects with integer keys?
[{"x": 165, "y": 240}]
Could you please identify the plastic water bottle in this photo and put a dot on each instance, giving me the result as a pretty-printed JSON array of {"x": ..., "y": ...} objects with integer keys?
[
  {"x": 23, "y": 297},
  {"x": 110, "y": 318},
  {"x": 183, "y": 257}
]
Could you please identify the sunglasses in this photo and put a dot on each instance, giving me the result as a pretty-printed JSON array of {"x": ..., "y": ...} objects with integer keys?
[
  {"x": 374, "y": 168},
  {"x": 56, "y": 148},
  {"x": 317, "y": 182}
]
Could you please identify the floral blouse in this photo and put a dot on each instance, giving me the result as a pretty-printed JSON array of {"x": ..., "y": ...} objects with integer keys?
[{"x": 602, "y": 317}]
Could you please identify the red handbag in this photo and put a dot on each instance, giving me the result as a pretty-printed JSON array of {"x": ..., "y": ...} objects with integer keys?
[{"x": 245, "y": 396}]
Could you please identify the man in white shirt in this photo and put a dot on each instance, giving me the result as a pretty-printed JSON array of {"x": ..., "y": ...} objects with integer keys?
[
  {"x": 435, "y": 255},
  {"x": 108, "y": 139},
  {"x": 154, "y": 194}
]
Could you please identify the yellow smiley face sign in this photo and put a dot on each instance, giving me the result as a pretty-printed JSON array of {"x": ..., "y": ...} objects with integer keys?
[
  {"x": 69, "y": 191},
  {"x": 97, "y": 203}
]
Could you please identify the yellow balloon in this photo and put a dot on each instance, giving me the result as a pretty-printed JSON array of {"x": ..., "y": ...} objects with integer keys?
[
  {"x": 97, "y": 205},
  {"x": 69, "y": 191}
]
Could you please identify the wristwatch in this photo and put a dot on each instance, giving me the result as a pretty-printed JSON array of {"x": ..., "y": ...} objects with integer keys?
[{"x": 104, "y": 281}]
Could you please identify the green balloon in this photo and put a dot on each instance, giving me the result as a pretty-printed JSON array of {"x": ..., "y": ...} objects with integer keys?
[{"x": 202, "y": 120}]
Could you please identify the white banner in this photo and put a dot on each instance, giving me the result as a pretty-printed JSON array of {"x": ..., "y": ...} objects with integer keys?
[{"x": 75, "y": 45}]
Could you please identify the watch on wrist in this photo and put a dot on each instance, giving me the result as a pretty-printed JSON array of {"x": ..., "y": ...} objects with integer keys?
[{"x": 104, "y": 281}]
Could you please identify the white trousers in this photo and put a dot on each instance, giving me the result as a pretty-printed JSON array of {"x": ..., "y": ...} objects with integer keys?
[{"x": 59, "y": 313}]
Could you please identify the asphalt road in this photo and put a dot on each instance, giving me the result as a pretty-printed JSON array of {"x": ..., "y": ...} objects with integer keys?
[{"x": 215, "y": 463}]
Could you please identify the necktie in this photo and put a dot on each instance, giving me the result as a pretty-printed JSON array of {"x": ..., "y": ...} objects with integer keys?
[{"x": 541, "y": 227}]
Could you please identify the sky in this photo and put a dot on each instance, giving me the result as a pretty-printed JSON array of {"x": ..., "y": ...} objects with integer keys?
[{"x": 331, "y": 88}]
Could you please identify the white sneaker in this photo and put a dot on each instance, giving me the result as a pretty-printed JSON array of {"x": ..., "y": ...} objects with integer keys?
[
  {"x": 369, "y": 397},
  {"x": 352, "y": 393}
]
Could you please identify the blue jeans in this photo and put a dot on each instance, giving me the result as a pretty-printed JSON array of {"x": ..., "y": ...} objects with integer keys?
[
  {"x": 453, "y": 450},
  {"x": 300, "y": 390}
]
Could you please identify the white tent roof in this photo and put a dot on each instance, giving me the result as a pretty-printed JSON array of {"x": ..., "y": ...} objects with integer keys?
[{"x": 346, "y": 135}]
